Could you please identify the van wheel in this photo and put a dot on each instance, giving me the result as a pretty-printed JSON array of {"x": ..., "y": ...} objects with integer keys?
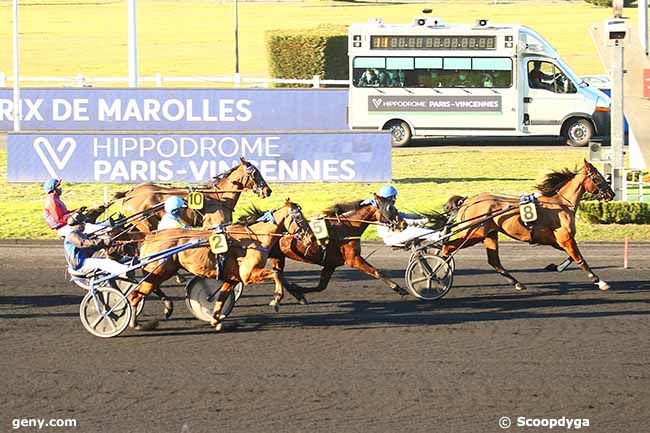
[
  {"x": 400, "y": 133},
  {"x": 578, "y": 132}
]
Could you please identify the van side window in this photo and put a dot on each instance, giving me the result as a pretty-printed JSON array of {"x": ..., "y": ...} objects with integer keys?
[
  {"x": 432, "y": 72},
  {"x": 547, "y": 76}
]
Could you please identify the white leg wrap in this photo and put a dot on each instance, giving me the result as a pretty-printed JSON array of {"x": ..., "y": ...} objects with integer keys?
[{"x": 602, "y": 285}]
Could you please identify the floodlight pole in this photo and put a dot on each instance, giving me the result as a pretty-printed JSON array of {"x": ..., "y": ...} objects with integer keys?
[
  {"x": 617, "y": 113},
  {"x": 17, "y": 111},
  {"x": 237, "y": 78},
  {"x": 133, "y": 45}
]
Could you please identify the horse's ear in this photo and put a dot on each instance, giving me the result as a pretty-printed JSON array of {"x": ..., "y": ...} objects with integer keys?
[
  {"x": 377, "y": 198},
  {"x": 287, "y": 201},
  {"x": 244, "y": 160}
]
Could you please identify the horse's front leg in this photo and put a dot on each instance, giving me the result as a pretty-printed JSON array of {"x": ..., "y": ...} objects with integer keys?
[
  {"x": 571, "y": 247},
  {"x": 262, "y": 274}
]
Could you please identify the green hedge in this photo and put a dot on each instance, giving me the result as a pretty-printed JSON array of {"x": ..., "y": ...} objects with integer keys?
[
  {"x": 321, "y": 51},
  {"x": 626, "y": 3},
  {"x": 615, "y": 212}
]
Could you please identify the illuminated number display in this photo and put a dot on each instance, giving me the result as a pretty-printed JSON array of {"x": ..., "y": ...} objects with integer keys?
[{"x": 433, "y": 42}]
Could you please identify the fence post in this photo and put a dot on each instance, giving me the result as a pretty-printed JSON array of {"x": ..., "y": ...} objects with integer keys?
[
  {"x": 80, "y": 79},
  {"x": 3, "y": 79},
  {"x": 316, "y": 81},
  {"x": 158, "y": 79}
]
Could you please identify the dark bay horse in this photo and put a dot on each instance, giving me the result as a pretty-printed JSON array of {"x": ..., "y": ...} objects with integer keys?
[
  {"x": 221, "y": 197},
  {"x": 561, "y": 192},
  {"x": 249, "y": 247},
  {"x": 346, "y": 223}
]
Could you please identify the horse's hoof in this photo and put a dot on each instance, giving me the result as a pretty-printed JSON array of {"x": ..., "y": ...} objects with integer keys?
[
  {"x": 218, "y": 327},
  {"x": 400, "y": 291},
  {"x": 551, "y": 267},
  {"x": 602, "y": 285},
  {"x": 520, "y": 287},
  {"x": 148, "y": 326},
  {"x": 180, "y": 279},
  {"x": 169, "y": 308},
  {"x": 303, "y": 301}
]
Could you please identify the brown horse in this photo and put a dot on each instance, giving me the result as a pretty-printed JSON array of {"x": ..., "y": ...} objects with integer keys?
[
  {"x": 561, "y": 192},
  {"x": 249, "y": 247},
  {"x": 221, "y": 197},
  {"x": 346, "y": 223}
]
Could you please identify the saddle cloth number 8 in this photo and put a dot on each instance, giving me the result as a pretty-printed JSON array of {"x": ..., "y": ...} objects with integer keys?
[{"x": 528, "y": 212}]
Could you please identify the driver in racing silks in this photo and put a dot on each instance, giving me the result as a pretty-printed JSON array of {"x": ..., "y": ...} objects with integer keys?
[
  {"x": 79, "y": 248},
  {"x": 415, "y": 223},
  {"x": 174, "y": 206},
  {"x": 56, "y": 213}
]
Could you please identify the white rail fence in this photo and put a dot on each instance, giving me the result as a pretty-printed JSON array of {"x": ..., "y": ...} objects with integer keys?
[{"x": 158, "y": 80}]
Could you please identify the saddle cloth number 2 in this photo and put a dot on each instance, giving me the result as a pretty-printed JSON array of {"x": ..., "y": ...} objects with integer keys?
[
  {"x": 218, "y": 243},
  {"x": 528, "y": 212}
]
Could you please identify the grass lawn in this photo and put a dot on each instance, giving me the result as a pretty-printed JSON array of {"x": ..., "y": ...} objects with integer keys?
[
  {"x": 195, "y": 37},
  {"x": 425, "y": 180}
]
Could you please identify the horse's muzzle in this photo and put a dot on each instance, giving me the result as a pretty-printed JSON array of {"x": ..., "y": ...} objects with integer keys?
[{"x": 264, "y": 192}]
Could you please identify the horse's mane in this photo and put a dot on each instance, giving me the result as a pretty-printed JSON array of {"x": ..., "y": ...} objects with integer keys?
[
  {"x": 342, "y": 207},
  {"x": 250, "y": 216},
  {"x": 218, "y": 178},
  {"x": 436, "y": 219},
  {"x": 554, "y": 180}
]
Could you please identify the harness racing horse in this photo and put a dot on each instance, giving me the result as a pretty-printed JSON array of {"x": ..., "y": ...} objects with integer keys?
[
  {"x": 561, "y": 192},
  {"x": 347, "y": 222},
  {"x": 248, "y": 250},
  {"x": 221, "y": 197}
]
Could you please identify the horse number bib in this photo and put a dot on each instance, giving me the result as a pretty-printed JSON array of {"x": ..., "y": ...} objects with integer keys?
[
  {"x": 195, "y": 200},
  {"x": 319, "y": 227},
  {"x": 528, "y": 212},
  {"x": 218, "y": 243}
]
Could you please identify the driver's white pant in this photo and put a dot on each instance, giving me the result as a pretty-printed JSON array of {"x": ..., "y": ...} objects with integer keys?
[
  {"x": 395, "y": 238},
  {"x": 107, "y": 265},
  {"x": 88, "y": 229}
]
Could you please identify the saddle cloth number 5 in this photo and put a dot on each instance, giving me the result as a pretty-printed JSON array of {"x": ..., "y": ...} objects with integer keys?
[
  {"x": 319, "y": 227},
  {"x": 218, "y": 243},
  {"x": 195, "y": 200},
  {"x": 528, "y": 212}
]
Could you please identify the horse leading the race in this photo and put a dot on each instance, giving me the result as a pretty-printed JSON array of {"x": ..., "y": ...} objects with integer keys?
[{"x": 221, "y": 197}]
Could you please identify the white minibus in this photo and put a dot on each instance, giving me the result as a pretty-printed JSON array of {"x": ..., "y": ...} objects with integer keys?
[{"x": 432, "y": 79}]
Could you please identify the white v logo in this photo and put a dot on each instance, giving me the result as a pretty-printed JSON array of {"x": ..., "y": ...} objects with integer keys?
[{"x": 59, "y": 156}]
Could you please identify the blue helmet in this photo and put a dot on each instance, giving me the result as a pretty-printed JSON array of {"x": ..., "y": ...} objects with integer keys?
[
  {"x": 50, "y": 185},
  {"x": 387, "y": 191},
  {"x": 174, "y": 203}
]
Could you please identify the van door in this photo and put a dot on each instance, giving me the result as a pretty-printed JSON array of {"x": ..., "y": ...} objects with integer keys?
[{"x": 548, "y": 97}]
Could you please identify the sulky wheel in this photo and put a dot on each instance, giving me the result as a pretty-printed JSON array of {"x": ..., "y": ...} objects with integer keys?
[
  {"x": 105, "y": 312},
  {"x": 126, "y": 287},
  {"x": 202, "y": 294},
  {"x": 435, "y": 251},
  {"x": 428, "y": 277}
]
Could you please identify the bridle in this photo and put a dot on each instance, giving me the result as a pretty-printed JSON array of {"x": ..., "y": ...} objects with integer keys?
[
  {"x": 602, "y": 187},
  {"x": 386, "y": 208},
  {"x": 255, "y": 177},
  {"x": 303, "y": 232}
]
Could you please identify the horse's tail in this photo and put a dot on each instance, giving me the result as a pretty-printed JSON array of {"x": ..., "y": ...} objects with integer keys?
[
  {"x": 454, "y": 202},
  {"x": 120, "y": 194}
]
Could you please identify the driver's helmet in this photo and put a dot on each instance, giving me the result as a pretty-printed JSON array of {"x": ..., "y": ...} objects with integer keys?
[
  {"x": 388, "y": 191},
  {"x": 50, "y": 185},
  {"x": 174, "y": 204}
]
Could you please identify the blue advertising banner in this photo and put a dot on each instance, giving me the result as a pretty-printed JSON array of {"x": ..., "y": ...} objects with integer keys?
[
  {"x": 178, "y": 157},
  {"x": 89, "y": 109}
]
